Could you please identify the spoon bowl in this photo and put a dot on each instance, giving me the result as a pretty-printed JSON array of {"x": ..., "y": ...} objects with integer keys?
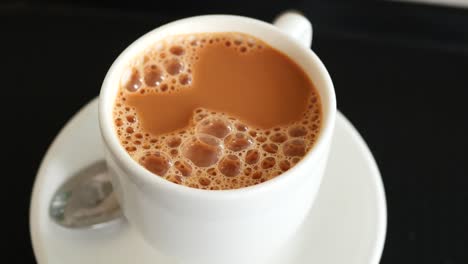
[{"x": 86, "y": 200}]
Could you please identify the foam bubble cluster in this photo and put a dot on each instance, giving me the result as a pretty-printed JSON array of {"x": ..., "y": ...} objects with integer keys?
[
  {"x": 166, "y": 65},
  {"x": 215, "y": 151}
]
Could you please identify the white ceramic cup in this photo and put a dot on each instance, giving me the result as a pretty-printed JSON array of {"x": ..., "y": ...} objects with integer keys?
[{"x": 230, "y": 226}]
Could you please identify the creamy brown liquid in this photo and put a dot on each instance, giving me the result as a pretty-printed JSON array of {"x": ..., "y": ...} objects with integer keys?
[{"x": 216, "y": 111}]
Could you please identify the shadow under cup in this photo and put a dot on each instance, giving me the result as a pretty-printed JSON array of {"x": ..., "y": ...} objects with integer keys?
[{"x": 229, "y": 226}]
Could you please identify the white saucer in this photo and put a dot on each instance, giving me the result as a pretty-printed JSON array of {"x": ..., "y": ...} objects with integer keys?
[{"x": 347, "y": 224}]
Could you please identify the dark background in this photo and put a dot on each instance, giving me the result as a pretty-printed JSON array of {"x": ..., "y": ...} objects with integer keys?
[{"x": 400, "y": 72}]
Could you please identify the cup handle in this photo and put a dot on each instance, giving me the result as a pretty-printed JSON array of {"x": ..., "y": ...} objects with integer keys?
[{"x": 295, "y": 25}]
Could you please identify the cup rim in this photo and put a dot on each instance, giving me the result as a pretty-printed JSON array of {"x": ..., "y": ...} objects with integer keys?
[{"x": 139, "y": 174}]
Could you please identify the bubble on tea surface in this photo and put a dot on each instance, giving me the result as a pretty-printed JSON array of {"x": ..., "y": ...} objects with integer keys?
[
  {"x": 215, "y": 127},
  {"x": 204, "y": 181},
  {"x": 153, "y": 76},
  {"x": 157, "y": 162},
  {"x": 268, "y": 162},
  {"x": 131, "y": 80},
  {"x": 193, "y": 185},
  {"x": 270, "y": 147},
  {"x": 184, "y": 168},
  {"x": 278, "y": 137},
  {"x": 119, "y": 122},
  {"x": 173, "y": 141},
  {"x": 130, "y": 149},
  {"x": 199, "y": 117},
  {"x": 212, "y": 172},
  {"x": 297, "y": 131},
  {"x": 257, "y": 175},
  {"x": 238, "y": 40},
  {"x": 295, "y": 160},
  {"x": 276, "y": 173},
  {"x": 241, "y": 127},
  {"x": 252, "y": 156},
  {"x": 177, "y": 50},
  {"x": 294, "y": 147},
  {"x": 164, "y": 87},
  {"x": 173, "y": 66},
  {"x": 284, "y": 165},
  {"x": 237, "y": 141},
  {"x": 185, "y": 79},
  {"x": 174, "y": 178},
  {"x": 230, "y": 165},
  {"x": 131, "y": 118},
  {"x": 203, "y": 150}
]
